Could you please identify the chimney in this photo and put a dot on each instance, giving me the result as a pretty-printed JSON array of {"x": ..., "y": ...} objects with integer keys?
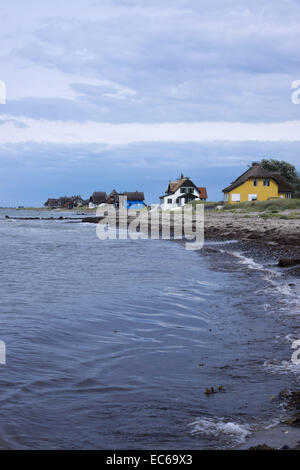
[{"x": 255, "y": 164}]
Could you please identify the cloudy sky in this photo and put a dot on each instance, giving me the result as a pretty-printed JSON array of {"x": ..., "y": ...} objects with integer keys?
[{"x": 127, "y": 94}]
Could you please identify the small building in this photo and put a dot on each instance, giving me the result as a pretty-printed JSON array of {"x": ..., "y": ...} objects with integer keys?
[
  {"x": 51, "y": 203},
  {"x": 181, "y": 192},
  {"x": 257, "y": 184},
  {"x": 113, "y": 198},
  {"x": 64, "y": 202},
  {"x": 76, "y": 201},
  {"x": 97, "y": 198},
  {"x": 135, "y": 198}
]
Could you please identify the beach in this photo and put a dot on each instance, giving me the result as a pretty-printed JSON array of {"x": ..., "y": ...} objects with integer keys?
[{"x": 279, "y": 231}]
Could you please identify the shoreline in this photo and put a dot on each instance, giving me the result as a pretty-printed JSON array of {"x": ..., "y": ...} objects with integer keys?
[
  {"x": 276, "y": 231},
  {"x": 225, "y": 224},
  {"x": 272, "y": 235}
]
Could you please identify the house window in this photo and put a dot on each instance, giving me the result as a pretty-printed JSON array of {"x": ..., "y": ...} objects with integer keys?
[
  {"x": 252, "y": 197},
  {"x": 266, "y": 182},
  {"x": 191, "y": 190},
  {"x": 183, "y": 190},
  {"x": 178, "y": 200},
  {"x": 235, "y": 197},
  {"x": 255, "y": 182},
  {"x": 169, "y": 201}
]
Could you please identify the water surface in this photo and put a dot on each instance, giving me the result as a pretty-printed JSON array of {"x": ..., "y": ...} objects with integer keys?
[{"x": 112, "y": 344}]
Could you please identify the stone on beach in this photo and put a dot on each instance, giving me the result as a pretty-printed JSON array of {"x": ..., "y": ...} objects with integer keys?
[{"x": 288, "y": 262}]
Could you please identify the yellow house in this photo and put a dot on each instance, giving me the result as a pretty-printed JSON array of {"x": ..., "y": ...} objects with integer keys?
[{"x": 257, "y": 184}]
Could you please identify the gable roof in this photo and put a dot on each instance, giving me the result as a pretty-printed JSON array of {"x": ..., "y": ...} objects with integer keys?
[
  {"x": 134, "y": 196},
  {"x": 112, "y": 197},
  {"x": 131, "y": 196},
  {"x": 283, "y": 185},
  {"x": 51, "y": 202},
  {"x": 174, "y": 185},
  {"x": 98, "y": 197},
  {"x": 257, "y": 171}
]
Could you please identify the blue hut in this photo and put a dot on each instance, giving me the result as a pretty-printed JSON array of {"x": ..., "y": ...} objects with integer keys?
[{"x": 134, "y": 199}]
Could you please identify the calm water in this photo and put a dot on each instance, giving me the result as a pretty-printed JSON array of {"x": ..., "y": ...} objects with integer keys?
[{"x": 104, "y": 341}]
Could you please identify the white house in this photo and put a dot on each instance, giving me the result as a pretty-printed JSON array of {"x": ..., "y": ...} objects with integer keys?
[{"x": 180, "y": 192}]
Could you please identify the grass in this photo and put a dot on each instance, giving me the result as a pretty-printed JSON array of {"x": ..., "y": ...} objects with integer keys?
[
  {"x": 269, "y": 215},
  {"x": 206, "y": 203},
  {"x": 282, "y": 217},
  {"x": 273, "y": 206}
]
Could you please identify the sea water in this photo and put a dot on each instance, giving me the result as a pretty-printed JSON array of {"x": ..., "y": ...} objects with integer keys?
[{"x": 112, "y": 344}]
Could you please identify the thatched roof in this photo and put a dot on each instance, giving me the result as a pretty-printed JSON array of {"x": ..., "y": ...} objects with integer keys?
[
  {"x": 113, "y": 193},
  {"x": 174, "y": 185},
  {"x": 98, "y": 197},
  {"x": 111, "y": 198},
  {"x": 283, "y": 185},
  {"x": 135, "y": 196},
  {"x": 257, "y": 171},
  {"x": 51, "y": 202},
  {"x": 131, "y": 196}
]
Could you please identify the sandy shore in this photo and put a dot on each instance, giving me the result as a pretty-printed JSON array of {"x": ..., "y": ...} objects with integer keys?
[{"x": 237, "y": 226}]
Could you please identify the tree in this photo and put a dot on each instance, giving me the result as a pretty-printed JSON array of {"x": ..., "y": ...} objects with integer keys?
[{"x": 287, "y": 170}]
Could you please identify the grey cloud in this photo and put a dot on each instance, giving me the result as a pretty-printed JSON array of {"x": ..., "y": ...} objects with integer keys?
[
  {"x": 187, "y": 60},
  {"x": 15, "y": 122}
]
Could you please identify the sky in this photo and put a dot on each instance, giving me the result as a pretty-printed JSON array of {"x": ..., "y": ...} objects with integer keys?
[{"x": 129, "y": 94}]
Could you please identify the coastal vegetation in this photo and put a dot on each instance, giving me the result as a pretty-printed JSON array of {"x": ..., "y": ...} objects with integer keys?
[
  {"x": 287, "y": 171},
  {"x": 262, "y": 206},
  {"x": 206, "y": 203}
]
